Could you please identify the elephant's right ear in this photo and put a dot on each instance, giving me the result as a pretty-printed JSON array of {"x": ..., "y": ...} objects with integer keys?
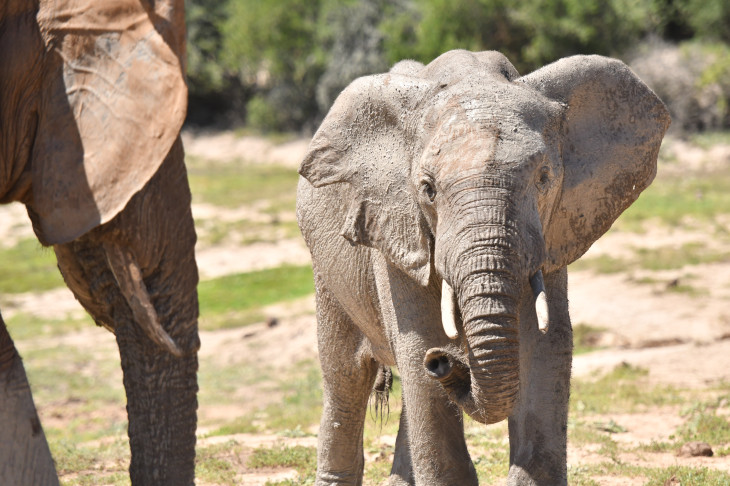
[
  {"x": 366, "y": 142},
  {"x": 113, "y": 101}
]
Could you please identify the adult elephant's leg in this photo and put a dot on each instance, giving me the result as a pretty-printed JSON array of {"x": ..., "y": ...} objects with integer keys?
[
  {"x": 24, "y": 454},
  {"x": 347, "y": 381},
  {"x": 434, "y": 425},
  {"x": 538, "y": 425},
  {"x": 137, "y": 276}
]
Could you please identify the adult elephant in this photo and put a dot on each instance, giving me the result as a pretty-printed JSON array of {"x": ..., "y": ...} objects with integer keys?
[
  {"x": 92, "y": 98},
  {"x": 438, "y": 202}
]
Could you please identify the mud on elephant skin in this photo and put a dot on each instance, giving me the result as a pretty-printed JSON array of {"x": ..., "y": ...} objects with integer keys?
[
  {"x": 92, "y": 98},
  {"x": 441, "y": 205}
]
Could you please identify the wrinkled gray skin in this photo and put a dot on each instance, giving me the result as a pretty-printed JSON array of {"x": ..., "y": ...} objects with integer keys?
[
  {"x": 464, "y": 172},
  {"x": 92, "y": 98}
]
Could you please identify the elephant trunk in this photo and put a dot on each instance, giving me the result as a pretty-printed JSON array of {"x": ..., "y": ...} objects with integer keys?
[
  {"x": 137, "y": 276},
  {"x": 485, "y": 382},
  {"x": 162, "y": 385},
  {"x": 487, "y": 280}
]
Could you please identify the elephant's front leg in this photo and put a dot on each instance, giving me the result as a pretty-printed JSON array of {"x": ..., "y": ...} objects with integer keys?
[
  {"x": 24, "y": 454},
  {"x": 538, "y": 425},
  {"x": 347, "y": 381},
  {"x": 438, "y": 452}
]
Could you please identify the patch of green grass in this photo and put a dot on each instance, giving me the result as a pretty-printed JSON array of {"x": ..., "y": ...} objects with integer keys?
[
  {"x": 585, "y": 338},
  {"x": 677, "y": 286},
  {"x": 600, "y": 264},
  {"x": 276, "y": 138},
  {"x": 704, "y": 424},
  {"x": 234, "y": 300},
  {"x": 240, "y": 425},
  {"x": 216, "y": 464},
  {"x": 221, "y": 383},
  {"x": 699, "y": 476},
  {"x": 621, "y": 390},
  {"x": 707, "y": 140},
  {"x": 669, "y": 258},
  {"x": 671, "y": 200},
  {"x": 75, "y": 385},
  {"x": 492, "y": 462},
  {"x": 583, "y": 433},
  {"x": 647, "y": 476},
  {"x": 297, "y": 457},
  {"x": 655, "y": 259},
  {"x": 581, "y": 476},
  {"x": 302, "y": 403},
  {"x": 658, "y": 446},
  {"x": 106, "y": 463},
  {"x": 302, "y": 459},
  {"x": 245, "y": 232},
  {"x": 28, "y": 267},
  {"x": 236, "y": 184},
  {"x": 27, "y": 326}
]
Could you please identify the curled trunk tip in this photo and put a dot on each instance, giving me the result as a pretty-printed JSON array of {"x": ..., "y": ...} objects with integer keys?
[{"x": 454, "y": 376}]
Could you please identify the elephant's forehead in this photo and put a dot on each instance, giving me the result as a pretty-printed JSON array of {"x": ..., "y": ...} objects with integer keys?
[
  {"x": 504, "y": 104},
  {"x": 494, "y": 125}
]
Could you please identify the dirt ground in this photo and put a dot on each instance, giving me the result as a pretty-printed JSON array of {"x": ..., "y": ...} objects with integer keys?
[{"x": 682, "y": 340}]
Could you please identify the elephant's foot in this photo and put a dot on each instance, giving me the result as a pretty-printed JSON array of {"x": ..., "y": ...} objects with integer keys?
[{"x": 518, "y": 476}]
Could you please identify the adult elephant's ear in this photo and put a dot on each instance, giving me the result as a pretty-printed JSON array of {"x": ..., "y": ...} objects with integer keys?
[
  {"x": 610, "y": 140},
  {"x": 366, "y": 141},
  {"x": 113, "y": 101}
]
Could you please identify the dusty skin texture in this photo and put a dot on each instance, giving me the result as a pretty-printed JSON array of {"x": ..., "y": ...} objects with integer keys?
[
  {"x": 643, "y": 325},
  {"x": 92, "y": 101},
  {"x": 463, "y": 175}
]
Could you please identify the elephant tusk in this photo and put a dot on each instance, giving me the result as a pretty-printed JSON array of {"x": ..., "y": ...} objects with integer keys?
[
  {"x": 129, "y": 278},
  {"x": 541, "y": 303},
  {"x": 448, "y": 318}
]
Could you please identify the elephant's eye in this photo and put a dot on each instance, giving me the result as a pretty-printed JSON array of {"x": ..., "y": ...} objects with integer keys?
[
  {"x": 543, "y": 179},
  {"x": 428, "y": 190}
]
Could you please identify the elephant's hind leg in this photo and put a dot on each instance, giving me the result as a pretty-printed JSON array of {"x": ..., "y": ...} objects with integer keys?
[
  {"x": 24, "y": 454},
  {"x": 347, "y": 379}
]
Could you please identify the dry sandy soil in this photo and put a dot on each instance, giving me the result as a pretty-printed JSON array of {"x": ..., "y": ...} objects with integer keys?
[{"x": 680, "y": 339}]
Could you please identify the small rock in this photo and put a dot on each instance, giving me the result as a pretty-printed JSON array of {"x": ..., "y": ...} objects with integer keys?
[
  {"x": 695, "y": 449},
  {"x": 272, "y": 322}
]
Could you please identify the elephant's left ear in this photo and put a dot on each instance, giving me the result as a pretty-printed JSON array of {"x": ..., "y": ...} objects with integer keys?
[
  {"x": 113, "y": 101},
  {"x": 610, "y": 141},
  {"x": 365, "y": 141}
]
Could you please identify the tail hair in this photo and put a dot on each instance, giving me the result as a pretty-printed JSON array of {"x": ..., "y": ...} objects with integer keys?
[{"x": 381, "y": 392}]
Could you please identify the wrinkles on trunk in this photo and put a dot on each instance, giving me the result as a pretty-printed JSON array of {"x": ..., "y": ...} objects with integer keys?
[{"x": 484, "y": 262}]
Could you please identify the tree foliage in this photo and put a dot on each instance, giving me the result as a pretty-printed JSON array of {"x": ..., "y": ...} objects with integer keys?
[{"x": 278, "y": 65}]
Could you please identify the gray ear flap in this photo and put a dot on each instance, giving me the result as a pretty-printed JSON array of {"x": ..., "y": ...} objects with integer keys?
[
  {"x": 610, "y": 140},
  {"x": 365, "y": 143}
]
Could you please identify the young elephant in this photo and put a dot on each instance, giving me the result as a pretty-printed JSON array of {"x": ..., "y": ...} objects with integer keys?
[{"x": 441, "y": 205}]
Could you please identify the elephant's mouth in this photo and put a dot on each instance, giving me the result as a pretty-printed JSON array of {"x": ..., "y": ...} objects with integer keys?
[{"x": 457, "y": 369}]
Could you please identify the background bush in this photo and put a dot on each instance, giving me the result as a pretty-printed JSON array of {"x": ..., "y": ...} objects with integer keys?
[{"x": 279, "y": 65}]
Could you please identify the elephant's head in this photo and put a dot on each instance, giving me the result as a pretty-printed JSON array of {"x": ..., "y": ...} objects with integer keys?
[
  {"x": 93, "y": 98},
  {"x": 492, "y": 179}
]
